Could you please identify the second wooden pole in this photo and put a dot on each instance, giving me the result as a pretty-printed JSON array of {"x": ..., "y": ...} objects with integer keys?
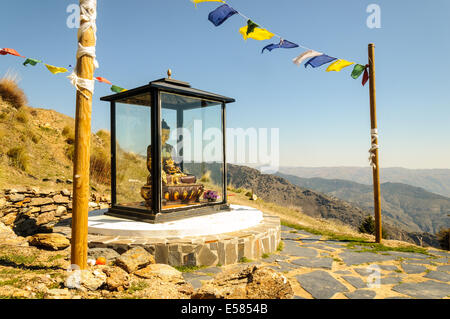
[{"x": 374, "y": 140}]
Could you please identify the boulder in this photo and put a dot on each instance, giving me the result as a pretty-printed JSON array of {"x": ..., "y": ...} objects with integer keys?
[
  {"x": 134, "y": 259},
  {"x": 117, "y": 279},
  {"x": 8, "y": 237},
  {"x": 51, "y": 241},
  {"x": 162, "y": 271},
  {"x": 9, "y": 219},
  {"x": 252, "y": 282},
  {"x": 92, "y": 280}
]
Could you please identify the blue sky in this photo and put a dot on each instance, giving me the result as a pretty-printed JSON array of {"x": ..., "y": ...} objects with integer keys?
[{"x": 323, "y": 117}]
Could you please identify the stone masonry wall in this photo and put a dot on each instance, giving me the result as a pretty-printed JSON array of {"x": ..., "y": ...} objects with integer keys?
[{"x": 30, "y": 210}]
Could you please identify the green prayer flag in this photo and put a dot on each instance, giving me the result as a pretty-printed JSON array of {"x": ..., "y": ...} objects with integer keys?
[
  {"x": 251, "y": 26},
  {"x": 357, "y": 71},
  {"x": 117, "y": 89},
  {"x": 33, "y": 62}
]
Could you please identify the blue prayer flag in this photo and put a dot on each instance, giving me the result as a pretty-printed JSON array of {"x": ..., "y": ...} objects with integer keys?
[
  {"x": 319, "y": 60},
  {"x": 221, "y": 14},
  {"x": 283, "y": 44}
]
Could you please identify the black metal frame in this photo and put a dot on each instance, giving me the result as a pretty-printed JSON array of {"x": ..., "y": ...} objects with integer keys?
[{"x": 156, "y": 214}]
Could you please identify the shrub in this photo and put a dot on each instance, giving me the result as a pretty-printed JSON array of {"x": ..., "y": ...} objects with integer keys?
[
  {"x": 100, "y": 166},
  {"x": 443, "y": 237},
  {"x": 22, "y": 115},
  {"x": 368, "y": 227},
  {"x": 11, "y": 93},
  {"x": 69, "y": 133},
  {"x": 70, "y": 152},
  {"x": 35, "y": 138},
  {"x": 19, "y": 157}
]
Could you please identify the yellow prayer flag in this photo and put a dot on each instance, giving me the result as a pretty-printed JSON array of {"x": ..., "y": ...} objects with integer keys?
[
  {"x": 55, "y": 69},
  {"x": 339, "y": 65},
  {"x": 199, "y": 1},
  {"x": 257, "y": 34}
]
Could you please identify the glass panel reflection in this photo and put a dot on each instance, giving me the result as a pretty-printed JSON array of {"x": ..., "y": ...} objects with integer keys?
[
  {"x": 133, "y": 134},
  {"x": 191, "y": 151}
]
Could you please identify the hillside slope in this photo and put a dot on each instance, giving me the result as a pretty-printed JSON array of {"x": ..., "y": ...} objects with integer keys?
[
  {"x": 411, "y": 208},
  {"x": 37, "y": 144}
]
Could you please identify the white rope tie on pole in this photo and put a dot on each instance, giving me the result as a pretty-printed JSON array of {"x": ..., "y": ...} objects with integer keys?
[
  {"x": 374, "y": 147},
  {"x": 88, "y": 18},
  {"x": 81, "y": 83},
  {"x": 90, "y": 51}
]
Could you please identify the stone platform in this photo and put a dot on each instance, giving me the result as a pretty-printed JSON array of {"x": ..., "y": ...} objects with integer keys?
[{"x": 218, "y": 239}]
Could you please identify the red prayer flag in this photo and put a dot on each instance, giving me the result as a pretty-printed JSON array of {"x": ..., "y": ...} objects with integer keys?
[
  {"x": 100, "y": 79},
  {"x": 365, "y": 76},
  {"x": 6, "y": 51}
]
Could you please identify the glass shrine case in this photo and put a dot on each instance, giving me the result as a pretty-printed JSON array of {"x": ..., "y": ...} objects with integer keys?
[{"x": 167, "y": 144}]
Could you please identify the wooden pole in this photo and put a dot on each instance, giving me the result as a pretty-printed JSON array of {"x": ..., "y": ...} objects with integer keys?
[
  {"x": 82, "y": 156},
  {"x": 373, "y": 122}
]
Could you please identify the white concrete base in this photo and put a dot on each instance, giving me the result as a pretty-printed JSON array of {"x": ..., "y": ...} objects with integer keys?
[{"x": 239, "y": 218}]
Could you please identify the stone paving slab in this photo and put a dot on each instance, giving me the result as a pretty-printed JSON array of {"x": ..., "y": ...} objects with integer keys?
[
  {"x": 343, "y": 272},
  {"x": 319, "y": 246},
  {"x": 388, "y": 267},
  {"x": 281, "y": 268},
  {"x": 320, "y": 284},
  {"x": 354, "y": 258},
  {"x": 361, "y": 294},
  {"x": 333, "y": 243},
  {"x": 422, "y": 262},
  {"x": 438, "y": 275},
  {"x": 444, "y": 268},
  {"x": 295, "y": 250},
  {"x": 287, "y": 236},
  {"x": 413, "y": 269},
  {"x": 274, "y": 257},
  {"x": 390, "y": 280},
  {"x": 441, "y": 253},
  {"x": 195, "y": 279},
  {"x": 407, "y": 255},
  {"x": 424, "y": 290},
  {"x": 441, "y": 260},
  {"x": 355, "y": 281},
  {"x": 314, "y": 262}
]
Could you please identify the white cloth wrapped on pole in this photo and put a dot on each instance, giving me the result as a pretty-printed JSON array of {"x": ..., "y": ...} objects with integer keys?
[
  {"x": 374, "y": 147},
  {"x": 88, "y": 18}
]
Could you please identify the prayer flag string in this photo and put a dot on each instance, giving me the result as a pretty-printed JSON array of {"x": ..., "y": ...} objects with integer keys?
[
  {"x": 255, "y": 31},
  {"x": 55, "y": 70}
]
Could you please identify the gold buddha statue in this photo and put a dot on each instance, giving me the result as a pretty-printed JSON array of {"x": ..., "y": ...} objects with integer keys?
[{"x": 176, "y": 184}]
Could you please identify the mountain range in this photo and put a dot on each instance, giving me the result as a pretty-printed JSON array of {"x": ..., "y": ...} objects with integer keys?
[
  {"x": 433, "y": 180},
  {"x": 280, "y": 190},
  {"x": 411, "y": 208}
]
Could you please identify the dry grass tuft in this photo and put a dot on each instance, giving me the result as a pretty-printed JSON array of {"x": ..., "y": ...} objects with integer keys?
[
  {"x": 69, "y": 133},
  {"x": 22, "y": 115},
  {"x": 11, "y": 93},
  {"x": 100, "y": 166},
  {"x": 19, "y": 158}
]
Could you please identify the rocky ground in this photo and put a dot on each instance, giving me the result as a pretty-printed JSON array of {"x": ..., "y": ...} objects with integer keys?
[{"x": 308, "y": 266}]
